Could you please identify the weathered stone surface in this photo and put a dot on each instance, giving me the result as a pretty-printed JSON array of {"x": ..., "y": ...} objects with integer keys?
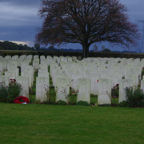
[
  {"x": 104, "y": 94},
  {"x": 4, "y": 79},
  {"x": 42, "y": 86},
  {"x": 122, "y": 86},
  {"x": 24, "y": 81},
  {"x": 94, "y": 82},
  {"x": 84, "y": 87},
  {"x": 61, "y": 84}
]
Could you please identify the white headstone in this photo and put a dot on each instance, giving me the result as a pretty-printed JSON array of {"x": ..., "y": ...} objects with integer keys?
[
  {"x": 36, "y": 64},
  {"x": 42, "y": 86},
  {"x": 104, "y": 95},
  {"x": 14, "y": 62},
  {"x": 134, "y": 78},
  {"x": 142, "y": 85},
  {"x": 74, "y": 77},
  {"x": 24, "y": 64},
  {"x": 10, "y": 74},
  {"x": 43, "y": 74},
  {"x": 10, "y": 66},
  {"x": 58, "y": 74},
  {"x": 29, "y": 75},
  {"x": 19, "y": 61},
  {"x": 31, "y": 69},
  {"x": 4, "y": 79},
  {"x": 4, "y": 64},
  {"x": 62, "y": 83},
  {"x": 94, "y": 82},
  {"x": 24, "y": 81},
  {"x": 1, "y": 67},
  {"x": 84, "y": 87},
  {"x": 123, "y": 83}
]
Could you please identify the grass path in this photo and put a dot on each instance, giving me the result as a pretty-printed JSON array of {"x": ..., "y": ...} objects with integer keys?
[{"x": 58, "y": 124}]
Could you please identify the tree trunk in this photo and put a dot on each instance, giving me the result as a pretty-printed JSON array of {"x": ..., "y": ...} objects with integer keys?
[{"x": 85, "y": 50}]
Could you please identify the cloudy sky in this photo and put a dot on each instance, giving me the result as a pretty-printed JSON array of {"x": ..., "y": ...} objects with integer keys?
[{"x": 19, "y": 20}]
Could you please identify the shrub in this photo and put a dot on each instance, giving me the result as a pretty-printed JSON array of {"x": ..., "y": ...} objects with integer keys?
[
  {"x": 45, "y": 102},
  {"x": 106, "y": 50},
  {"x": 60, "y": 102},
  {"x": 142, "y": 71},
  {"x": 37, "y": 102},
  {"x": 134, "y": 97},
  {"x": 50, "y": 94},
  {"x": 31, "y": 92},
  {"x": 4, "y": 93},
  {"x": 124, "y": 104},
  {"x": 72, "y": 96},
  {"x": 14, "y": 90},
  {"x": 83, "y": 103},
  {"x": 115, "y": 91}
]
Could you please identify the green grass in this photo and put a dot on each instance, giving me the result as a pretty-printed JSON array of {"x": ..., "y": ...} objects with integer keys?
[
  {"x": 31, "y": 63},
  {"x": 55, "y": 124}
]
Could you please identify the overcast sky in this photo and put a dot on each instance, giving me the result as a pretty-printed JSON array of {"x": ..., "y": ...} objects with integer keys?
[{"x": 19, "y": 20}]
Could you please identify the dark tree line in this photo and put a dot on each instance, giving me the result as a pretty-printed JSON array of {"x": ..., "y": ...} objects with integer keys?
[{"x": 6, "y": 45}]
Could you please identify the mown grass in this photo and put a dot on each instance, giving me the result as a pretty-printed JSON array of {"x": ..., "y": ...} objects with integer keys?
[{"x": 61, "y": 124}]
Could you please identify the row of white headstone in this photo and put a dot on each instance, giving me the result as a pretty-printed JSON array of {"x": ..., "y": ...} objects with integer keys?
[
  {"x": 91, "y": 75},
  {"x": 9, "y": 70}
]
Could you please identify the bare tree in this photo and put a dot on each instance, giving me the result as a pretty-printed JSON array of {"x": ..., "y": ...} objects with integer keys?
[
  {"x": 95, "y": 48},
  {"x": 102, "y": 48},
  {"x": 85, "y": 22}
]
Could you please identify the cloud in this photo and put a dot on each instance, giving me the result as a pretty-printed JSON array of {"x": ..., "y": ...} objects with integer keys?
[
  {"x": 134, "y": 8},
  {"x": 23, "y": 2},
  {"x": 29, "y": 43},
  {"x": 26, "y": 33},
  {"x": 19, "y": 20},
  {"x": 14, "y": 15}
]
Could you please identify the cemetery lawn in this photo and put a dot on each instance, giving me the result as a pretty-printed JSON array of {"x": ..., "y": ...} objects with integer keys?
[{"x": 64, "y": 124}]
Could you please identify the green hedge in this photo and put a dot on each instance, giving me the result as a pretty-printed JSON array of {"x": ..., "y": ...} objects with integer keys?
[{"x": 91, "y": 54}]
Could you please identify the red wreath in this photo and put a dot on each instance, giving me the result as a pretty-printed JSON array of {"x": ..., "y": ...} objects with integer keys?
[{"x": 21, "y": 99}]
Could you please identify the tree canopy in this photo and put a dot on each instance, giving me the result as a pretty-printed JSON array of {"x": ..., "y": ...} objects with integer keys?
[{"x": 85, "y": 22}]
